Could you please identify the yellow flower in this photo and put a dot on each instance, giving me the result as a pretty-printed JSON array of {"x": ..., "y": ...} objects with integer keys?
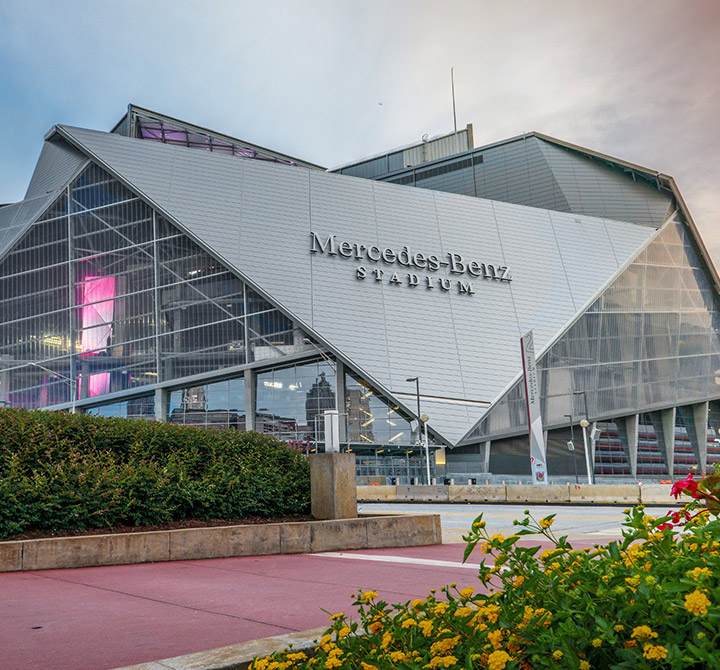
[
  {"x": 557, "y": 655},
  {"x": 299, "y": 656},
  {"x": 495, "y": 638},
  {"x": 697, "y": 573},
  {"x": 618, "y": 627},
  {"x": 387, "y": 639},
  {"x": 696, "y": 602},
  {"x": 597, "y": 642},
  {"x": 498, "y": 660},
  {"x": 498, "y": 537},
  {"x": 398, "y": 656},
  {"x": 374, "y": 627},
  {"x": 479, "y": 524},
  {"x": 368, "y": 596},
  {"x": 444, "y": 646},
  {"x": 546, "y": 522},
  {"x": 444, "y": 661},
  {"x": 643, "y": 633},
  {"x": 260, "y": 664},
  {"x": 332, "y": 662},
  {"x": 416, "y": 603},
  {"x": 464, "y": 611},
  {"x": 518, "y": 581},
  {"x": 467, "y": 592},
  {"x": 409, "y": 623},
  {"x": 343, "y": 632},
  {"x": 440, "y": 609},
  {"x": 367, "y": 666},
  {"x": 426, "y": 627},
  {"x": 654, "y": 652},
  {"x": 335, "y": 652},
  {"x": 337, "y": 616},
  {"x": 325, "y": 639},
  {"x": 584, "y": 665}
]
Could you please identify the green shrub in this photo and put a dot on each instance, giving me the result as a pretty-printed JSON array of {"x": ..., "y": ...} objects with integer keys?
[
  {"x": 649, "y": 601},
  {"x": 62, "y": 471}
]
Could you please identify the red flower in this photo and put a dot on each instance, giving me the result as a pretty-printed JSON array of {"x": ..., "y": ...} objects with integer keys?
[
  {"x": 663, "y": 526},
  {"x": 679, "y": 487}
]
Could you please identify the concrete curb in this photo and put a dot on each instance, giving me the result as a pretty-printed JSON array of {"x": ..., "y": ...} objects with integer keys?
[
  {"x": 370, "y": 532},
  {"x": 235, "y": 656},
  {"x": 611, "y": 494}
]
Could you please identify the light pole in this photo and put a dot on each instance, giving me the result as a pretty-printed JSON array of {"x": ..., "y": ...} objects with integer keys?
[
  {"x": 420, "y": 418},
  {"x": 68, "y": 380},
  {"x": 572, "y": 444},
  {"x": 584, "y": 425}
]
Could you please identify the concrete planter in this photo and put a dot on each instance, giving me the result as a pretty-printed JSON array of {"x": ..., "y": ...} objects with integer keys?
[{"x": 221, "y": 542}]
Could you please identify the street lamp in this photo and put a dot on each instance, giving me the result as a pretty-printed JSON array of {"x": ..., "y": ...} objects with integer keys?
[
  {"x": 422, "y": 420},
  {"x": 571, "y": 446},
  {"x": 584, "y": 425},
  {"x": 68, "y": 380}
]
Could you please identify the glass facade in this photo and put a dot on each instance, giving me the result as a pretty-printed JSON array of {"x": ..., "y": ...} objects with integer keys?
[
  {"x": 136, "y": 408},
  {"x": 371, "y": 419},
  {"x": 651, "y": 340},
  {"x": 104, "y": 296},
  {"x": 291, "y": 401},
  {"x": 167, "y": 132},
  {"x": 216, "y": 405}
]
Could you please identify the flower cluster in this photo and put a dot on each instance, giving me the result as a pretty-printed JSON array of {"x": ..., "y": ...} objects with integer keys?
[{"x": 651, "y": 600}]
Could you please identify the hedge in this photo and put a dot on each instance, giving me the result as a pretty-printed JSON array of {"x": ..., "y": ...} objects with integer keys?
[{"x": 70, "y": 472}]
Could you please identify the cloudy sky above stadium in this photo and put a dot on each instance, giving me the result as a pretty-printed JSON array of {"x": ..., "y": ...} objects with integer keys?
[{"x": 332, "y": 81}]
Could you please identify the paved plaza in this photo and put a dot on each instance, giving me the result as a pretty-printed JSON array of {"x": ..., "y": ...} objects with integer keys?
[{"x": 107, "y": 617}]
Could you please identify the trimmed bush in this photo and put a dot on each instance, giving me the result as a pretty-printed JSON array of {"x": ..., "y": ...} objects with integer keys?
[{"x": 69, "y": 472}]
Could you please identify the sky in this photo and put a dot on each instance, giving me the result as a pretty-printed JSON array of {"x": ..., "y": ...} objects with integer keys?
[{"x": 333, "y": 81}]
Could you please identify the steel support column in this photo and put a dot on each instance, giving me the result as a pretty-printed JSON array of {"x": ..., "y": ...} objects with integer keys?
[
  {"x": 250, "y": 378},
  {"x": 700, "y": 421}
]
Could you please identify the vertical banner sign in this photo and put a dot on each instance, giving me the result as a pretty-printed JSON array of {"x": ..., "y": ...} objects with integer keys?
[{"x": 532, "y": 395}]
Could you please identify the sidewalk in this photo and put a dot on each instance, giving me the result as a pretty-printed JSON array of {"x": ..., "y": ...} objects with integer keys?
[{"x": 108, "y": 617}]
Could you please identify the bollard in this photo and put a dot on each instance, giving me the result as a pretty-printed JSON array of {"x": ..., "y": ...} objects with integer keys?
[{"x": 333, "y": 489}]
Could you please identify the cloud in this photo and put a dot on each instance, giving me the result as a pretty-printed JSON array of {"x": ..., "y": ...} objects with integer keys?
[{"x": 629, "y": 78}]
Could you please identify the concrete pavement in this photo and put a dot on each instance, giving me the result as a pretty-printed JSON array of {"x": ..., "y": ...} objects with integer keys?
[{"x": 582, "y": 523}]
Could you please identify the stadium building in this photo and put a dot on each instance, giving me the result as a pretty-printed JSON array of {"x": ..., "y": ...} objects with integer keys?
[{"x": 165, "y": 271}]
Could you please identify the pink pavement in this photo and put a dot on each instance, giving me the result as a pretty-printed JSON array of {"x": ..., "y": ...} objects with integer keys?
[{"x": 108, "y": 617}]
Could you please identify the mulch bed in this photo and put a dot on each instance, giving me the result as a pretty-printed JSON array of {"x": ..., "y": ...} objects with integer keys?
[{"x": 173, "y": 525}]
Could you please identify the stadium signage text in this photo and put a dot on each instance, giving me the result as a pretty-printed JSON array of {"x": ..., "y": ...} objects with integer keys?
[{"x": 454, "y": 263}]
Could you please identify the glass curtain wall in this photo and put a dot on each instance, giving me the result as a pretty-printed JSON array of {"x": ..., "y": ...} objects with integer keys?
[
  {"x": 217, "y": 405},
  {"x": 652, "y": 339},
  {"x": 136, "y": 408},
  {"x": 159, "y": 130},
  {"x": 103, "y": 295},
  {"x": 372, "y": 419},
  {"x": 291, "y": 401}
]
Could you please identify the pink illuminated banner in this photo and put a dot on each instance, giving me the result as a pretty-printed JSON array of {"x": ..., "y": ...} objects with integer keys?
[{"x": 97, "y": 309}]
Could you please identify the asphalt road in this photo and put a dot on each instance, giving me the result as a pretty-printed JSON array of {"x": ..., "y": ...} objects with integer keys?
[{"x": 578, "y": 522}]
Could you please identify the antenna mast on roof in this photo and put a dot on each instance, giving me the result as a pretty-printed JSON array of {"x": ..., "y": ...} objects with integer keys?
[{"x": 452, "y": 81}]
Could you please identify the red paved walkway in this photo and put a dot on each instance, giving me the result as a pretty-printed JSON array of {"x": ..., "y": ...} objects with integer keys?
[{"x": 107, "y": 617}]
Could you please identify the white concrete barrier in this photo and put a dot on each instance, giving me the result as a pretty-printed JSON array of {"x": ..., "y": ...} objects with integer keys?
[
  {"x": 605, "y": 493},
  {"x": 477, "y": 494},
  {"x": 530, "y": 493}
]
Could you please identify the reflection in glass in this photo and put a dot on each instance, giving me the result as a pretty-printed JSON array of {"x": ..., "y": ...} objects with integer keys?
[
  {"x": 291, "y": 401},
  {"x": 216, "y": 405},
  {"x": 371, "y": 418}
]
